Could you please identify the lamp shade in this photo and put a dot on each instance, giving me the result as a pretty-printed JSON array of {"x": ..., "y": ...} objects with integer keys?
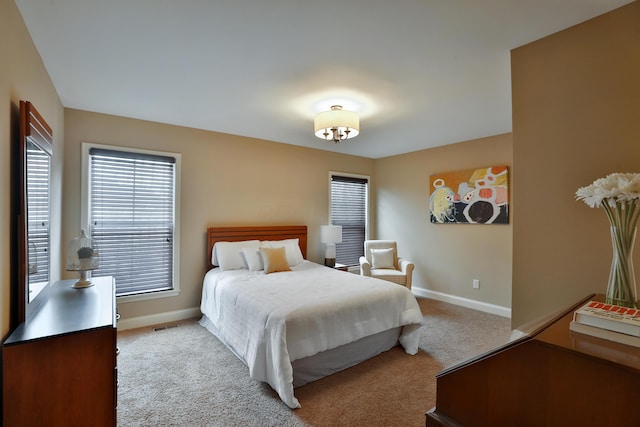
[
  {"x": 336, "y": 124},
  {"x": 331, "y": 233}
]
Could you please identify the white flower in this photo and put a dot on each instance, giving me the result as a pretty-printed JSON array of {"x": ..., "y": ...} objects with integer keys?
[
  {"x": 615, "y": 187},
  {"x": 617, "y": 194}
]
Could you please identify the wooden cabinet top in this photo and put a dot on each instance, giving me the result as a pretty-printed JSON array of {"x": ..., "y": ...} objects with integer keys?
[
  {"x": 70, "y": 310},
  {"x": 559, "y": 335}
]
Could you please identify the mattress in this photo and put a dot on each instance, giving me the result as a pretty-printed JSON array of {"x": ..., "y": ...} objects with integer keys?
[{"x": 270, "y": 321}]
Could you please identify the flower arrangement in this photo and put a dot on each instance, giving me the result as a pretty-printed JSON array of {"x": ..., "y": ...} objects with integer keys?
[{"x": 618, "y": 195}]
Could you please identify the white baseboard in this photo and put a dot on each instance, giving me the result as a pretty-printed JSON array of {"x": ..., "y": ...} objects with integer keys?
[
  {"x": 464, "y": 302},
  {"x": 156, "y": 319}
]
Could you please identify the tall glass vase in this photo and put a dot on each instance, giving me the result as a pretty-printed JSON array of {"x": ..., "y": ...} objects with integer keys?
[{"x": 621, "y": 289}]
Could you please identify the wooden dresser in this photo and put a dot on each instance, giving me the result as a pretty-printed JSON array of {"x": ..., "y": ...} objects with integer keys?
[
  {"x": 59, "y": 367},
  {"x": 553, "y": 377}
]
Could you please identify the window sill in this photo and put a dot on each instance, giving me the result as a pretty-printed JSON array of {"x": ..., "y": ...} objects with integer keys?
[{"x": 148, "y": 296}]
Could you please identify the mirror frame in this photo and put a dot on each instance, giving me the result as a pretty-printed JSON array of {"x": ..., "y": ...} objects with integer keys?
[{"x": 35, "y": 129}]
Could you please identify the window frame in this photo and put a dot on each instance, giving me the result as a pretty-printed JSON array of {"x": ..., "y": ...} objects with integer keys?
[
  {"x": 367, "y": 203},
  {"x": 85, "y": 201}
]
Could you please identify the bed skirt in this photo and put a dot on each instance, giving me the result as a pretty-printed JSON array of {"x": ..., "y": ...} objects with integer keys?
[{"x": 328, "y": 362}]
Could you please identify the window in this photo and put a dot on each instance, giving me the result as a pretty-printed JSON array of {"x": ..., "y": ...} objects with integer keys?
[
  {"x": 349, "y": 197},
  {"x": 132, "y": 215}
]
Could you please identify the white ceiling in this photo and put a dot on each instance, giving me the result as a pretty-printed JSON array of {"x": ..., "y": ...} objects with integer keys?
[{"x": 421, "y": 73}]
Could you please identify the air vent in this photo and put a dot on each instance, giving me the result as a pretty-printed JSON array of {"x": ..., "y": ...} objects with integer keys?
[{"x": 162, "y": 328}]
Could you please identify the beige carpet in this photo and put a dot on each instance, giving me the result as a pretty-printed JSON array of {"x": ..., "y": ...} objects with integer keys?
[{"x": 184, "y": 376}]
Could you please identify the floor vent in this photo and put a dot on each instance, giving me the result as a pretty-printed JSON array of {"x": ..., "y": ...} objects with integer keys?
[{"x": 162, "y": 328}]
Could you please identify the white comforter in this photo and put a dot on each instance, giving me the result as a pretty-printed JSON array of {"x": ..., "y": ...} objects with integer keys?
[{"x": 270, "y": 320}]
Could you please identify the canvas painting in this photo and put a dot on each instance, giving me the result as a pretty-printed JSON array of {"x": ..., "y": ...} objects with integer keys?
[{"x": 475, "y": 196}]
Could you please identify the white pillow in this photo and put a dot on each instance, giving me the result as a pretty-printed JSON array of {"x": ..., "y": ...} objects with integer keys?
[
  {"x": 253, "y": 259},
  {"x": 291, "y": 248},
  {"x": 228, "y": 255},
  {"x": 382, "y": 258}
]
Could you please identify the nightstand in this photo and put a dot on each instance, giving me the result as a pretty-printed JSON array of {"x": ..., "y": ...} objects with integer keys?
[{"x": 341, "y": 267}]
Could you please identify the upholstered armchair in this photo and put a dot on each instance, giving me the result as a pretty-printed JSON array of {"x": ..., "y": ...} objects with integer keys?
[{"x": 381, "y": 260}]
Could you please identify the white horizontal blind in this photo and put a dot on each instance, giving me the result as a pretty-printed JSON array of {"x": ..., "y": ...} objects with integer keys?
[
  {"x": 132, "y": 217},
  {"x": 38, "y": 162},
  {"x": 349, "y": 197}
]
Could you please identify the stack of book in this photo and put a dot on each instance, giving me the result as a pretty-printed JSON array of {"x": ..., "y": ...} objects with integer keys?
[{"x": 608, "y": 321}]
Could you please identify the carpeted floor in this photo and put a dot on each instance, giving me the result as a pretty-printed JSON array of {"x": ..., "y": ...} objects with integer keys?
[{"x": 184, "y": 376}]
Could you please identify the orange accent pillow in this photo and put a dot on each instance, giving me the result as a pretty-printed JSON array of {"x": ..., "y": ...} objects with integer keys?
[{"x": 274, "y": 259}]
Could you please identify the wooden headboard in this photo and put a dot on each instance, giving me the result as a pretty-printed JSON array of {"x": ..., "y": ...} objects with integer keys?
[{"x": 273, "y": 232}]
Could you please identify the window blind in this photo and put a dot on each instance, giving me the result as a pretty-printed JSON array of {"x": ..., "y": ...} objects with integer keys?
[
  {"x": 38, "y": 213},
  {"x": 132, "y": 215},
  {"x": 349, "y": 197}
]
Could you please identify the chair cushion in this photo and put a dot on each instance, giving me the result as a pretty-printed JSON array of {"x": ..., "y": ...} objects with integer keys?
[
  {"x": 382, "y": 258},
  {"x": 378, "y": 244},
  {"x": 390, "y": 275}
]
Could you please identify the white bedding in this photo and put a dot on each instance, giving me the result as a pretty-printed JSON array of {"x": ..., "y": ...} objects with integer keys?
[{"x": 270, "y": 320}]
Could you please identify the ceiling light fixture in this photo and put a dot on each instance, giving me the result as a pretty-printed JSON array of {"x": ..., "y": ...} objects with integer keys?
[{"x": 336, "y": 125}]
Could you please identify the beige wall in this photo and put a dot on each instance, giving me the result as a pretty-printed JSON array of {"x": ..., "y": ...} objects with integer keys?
[
  {"x": 23, "y": 77},
  {"x": 576, "y": 117},
  {"x": 226, "y": 180},
  {"x": 447, "y": 256}
]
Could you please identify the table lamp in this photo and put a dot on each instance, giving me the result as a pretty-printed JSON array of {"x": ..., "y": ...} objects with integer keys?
[{"x": 330, "y": 235}]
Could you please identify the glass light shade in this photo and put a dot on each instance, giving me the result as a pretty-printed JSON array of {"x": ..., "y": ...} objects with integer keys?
[{"x": 336, "y": 124}]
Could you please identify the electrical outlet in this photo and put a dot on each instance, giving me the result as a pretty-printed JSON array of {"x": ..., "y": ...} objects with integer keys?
[{"x": 476, "y": 284}]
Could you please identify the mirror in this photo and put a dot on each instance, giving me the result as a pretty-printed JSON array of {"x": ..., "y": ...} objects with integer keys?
[
  {"x": 35, "y": 151},
  {"x": 38, "y": 165}
]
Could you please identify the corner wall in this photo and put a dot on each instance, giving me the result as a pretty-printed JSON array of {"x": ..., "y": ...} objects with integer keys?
[
  {"x": 447, "y": 257},
  {"x": 576, "y": 118},
  {"x": 23, "y": 77}
]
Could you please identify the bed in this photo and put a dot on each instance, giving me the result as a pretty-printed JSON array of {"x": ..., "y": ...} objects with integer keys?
[{"x": 302, "y": 323}]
